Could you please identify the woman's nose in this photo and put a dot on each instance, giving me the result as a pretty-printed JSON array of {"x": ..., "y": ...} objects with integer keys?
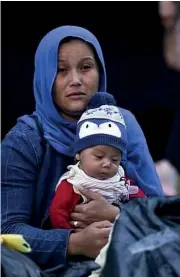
[{"x": 75, "y": 78}]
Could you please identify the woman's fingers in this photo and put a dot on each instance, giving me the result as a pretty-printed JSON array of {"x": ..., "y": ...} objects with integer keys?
[
  {"x": 78, "y": 224},
  {"x": 103, "y": 224},
  {"x": 77, "y": 217},
  {"x": 77, "y": 230}
]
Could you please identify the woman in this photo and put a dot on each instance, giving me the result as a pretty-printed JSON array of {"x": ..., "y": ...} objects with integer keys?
[{"x": 69, "y": 69}]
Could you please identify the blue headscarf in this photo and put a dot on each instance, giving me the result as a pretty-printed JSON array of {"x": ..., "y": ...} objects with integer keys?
[{"x": 59, "y": 132}]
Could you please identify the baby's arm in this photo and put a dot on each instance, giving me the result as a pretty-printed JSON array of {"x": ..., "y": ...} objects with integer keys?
[{"x": 62, "y": 205}]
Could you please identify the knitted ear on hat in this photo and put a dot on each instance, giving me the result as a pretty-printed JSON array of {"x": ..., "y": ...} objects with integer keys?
[{"x": 101, "y": 98}]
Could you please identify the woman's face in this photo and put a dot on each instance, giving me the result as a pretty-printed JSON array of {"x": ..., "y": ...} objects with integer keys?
[{"x": 77, "y": 78}]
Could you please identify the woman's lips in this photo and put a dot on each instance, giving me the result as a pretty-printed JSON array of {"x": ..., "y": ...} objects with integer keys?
[{"x": 76, "y": 95}]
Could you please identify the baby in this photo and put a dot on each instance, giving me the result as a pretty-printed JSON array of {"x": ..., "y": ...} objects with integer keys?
[{"x": 99, "y": 148}]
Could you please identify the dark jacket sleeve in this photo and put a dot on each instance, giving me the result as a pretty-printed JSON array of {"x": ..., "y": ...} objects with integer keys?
[
  {"x": 62, "y": 205},
  {"x": 18, "y": 180}
]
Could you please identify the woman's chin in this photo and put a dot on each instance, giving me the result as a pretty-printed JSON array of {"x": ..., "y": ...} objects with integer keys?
[{"x": 77, "y": 109}]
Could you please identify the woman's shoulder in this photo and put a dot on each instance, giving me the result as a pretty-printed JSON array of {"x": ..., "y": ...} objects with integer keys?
[
  {"x": 25, "y": 129},
  {"x": 125, "y": 112},
  {"x": 133, "y": 126},
  {"x": 128, "y": 116},
  {"x": 23, "y": 142}
]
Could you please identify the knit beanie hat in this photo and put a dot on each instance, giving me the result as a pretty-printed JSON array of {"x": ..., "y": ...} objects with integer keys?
[{"x": 101, "y": 124}]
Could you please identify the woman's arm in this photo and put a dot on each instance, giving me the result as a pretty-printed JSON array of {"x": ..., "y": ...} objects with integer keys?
[
  {"x": 139, "y": 165},
  {"x": 19, "y": 176},
  {"x": 18, "y": 181}
]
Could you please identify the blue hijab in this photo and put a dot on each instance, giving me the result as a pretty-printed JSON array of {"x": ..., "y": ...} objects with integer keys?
[{"x": 59, "y": 132}]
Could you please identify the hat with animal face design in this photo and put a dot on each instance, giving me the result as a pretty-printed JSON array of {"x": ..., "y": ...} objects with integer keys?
[{"x": 103, "y": 125}]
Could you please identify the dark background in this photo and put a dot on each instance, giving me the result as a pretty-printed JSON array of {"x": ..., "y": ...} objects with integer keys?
[{"x": 131, "y": 36}]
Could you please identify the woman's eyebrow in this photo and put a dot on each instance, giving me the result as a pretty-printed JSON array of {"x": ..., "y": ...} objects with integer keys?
[{"x": 90, "y": 58}]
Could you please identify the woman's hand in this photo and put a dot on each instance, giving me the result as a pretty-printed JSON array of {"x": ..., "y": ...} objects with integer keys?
[
  {"x": 98, "y": 209},
  {"x": 91, "y": 240}
]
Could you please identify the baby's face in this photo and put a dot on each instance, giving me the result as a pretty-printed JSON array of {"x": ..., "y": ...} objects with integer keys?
[{"x": 100, "y": 162}]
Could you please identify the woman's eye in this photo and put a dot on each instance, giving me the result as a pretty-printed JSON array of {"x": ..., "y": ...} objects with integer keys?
[
  {"x": 86, "y": 67},
  {"x": 62, "y": 70}
]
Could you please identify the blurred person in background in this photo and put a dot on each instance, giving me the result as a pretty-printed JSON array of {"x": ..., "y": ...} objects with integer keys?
[
  {"x": 169, "y": 168},
  {"x": 170, "y": 17}
]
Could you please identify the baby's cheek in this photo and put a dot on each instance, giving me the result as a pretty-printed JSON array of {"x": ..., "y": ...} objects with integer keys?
[{"x": 115, "y": 168}]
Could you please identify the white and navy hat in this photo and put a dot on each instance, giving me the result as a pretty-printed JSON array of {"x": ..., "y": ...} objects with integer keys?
[{"x": 103, "y": 125}]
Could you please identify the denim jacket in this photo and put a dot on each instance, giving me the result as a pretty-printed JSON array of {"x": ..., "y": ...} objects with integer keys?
[{"x": 29, "y": 174}]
